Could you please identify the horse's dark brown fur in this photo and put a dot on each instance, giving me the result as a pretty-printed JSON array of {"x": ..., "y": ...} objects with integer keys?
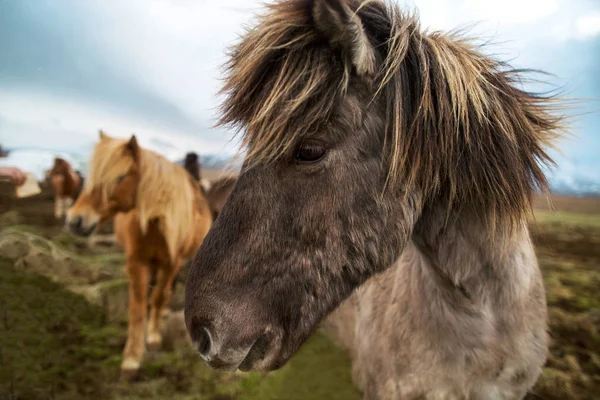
[
  {"x": 388, "y": 174},
  {"x": 218, "y": 193},
  {"x": 192, "y": 165}
]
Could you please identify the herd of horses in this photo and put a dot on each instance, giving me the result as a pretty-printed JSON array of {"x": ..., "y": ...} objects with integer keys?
[{"x": 384, "y": 193}]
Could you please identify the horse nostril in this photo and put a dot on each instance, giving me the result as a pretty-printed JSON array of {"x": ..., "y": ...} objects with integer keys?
[
  {"x": 75, "y": 224},
  {"x": 204, "y": 342}
]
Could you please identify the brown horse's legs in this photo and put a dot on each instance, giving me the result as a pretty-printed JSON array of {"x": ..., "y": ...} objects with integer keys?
[
  {"x": 58, "y": 207},
  {"x": 160, "y": 296},
  {"x": 67, "y": 202},
  {"x": 138, "y": 291}
]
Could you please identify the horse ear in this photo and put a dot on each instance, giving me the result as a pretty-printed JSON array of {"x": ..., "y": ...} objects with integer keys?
[
  {"x": 133, "y": 147},
  {"x": 343, "y": 27},
  {"x": 102, "y": 135}
]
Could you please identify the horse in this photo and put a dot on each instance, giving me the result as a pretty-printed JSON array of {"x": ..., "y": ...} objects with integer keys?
[
  {"x": 191, "y": 163},
  {"x": 160, "y": 218},
  {"x": 387, "y": 178},
  {"x": 66, "y": 185},
  {"x": 218, "y": 192}
]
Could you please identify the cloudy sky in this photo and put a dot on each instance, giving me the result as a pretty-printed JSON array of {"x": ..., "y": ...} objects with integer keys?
[{"x": 69, "y": 67}]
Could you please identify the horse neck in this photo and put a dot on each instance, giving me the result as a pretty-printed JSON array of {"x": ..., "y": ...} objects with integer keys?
[
  {"x": 466, "y": 258},
  {"x": 69, "y": 176}
]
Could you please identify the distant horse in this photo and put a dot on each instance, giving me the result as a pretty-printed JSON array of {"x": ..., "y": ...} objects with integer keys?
[
  {"x": 192, "y": 165},
  {"x": 218, "y": 192},
  {"x": 161, "y": 218},
  {"x": 390, "y": 171},
  {"x": 66, "y": 184}
]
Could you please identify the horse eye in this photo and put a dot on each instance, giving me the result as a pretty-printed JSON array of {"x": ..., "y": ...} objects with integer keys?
[
  {"x": 310, "y": 152},
  {"x": 120, "y": 178}
]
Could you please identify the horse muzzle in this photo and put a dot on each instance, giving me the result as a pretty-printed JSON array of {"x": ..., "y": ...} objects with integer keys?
[{"x": 80, "y": 225}]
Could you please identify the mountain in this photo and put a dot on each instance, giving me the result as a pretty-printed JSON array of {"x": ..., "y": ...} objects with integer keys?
[{"x": 569, "y": 180}]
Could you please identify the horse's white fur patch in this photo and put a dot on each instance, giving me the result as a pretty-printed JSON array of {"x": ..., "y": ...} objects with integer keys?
[{"x": 130, "y": 364}]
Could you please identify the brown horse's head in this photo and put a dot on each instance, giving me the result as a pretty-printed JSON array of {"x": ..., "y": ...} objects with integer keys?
[
  {"x": 358, "y": 128},
  {"x": 60, "y": 167},
  {"x": 111, "y": 186},
  {"x": 61, "y": 177}
]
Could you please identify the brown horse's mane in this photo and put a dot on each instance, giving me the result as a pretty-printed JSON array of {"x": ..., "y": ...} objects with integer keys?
[
  {"x": 165, "y": 191},
  {"x": 457, "y": 124}
]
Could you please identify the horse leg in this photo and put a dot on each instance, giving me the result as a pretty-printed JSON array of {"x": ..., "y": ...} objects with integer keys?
[
  {"x": 160, "y": 296},
  {"x": 57, "y": 206},
  {"x": 138, "y": 290},
  {"x": 67, "y": 202}
]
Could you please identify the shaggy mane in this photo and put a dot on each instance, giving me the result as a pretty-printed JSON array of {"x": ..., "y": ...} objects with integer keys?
[
  {"x": 165, "y": 189},
  {"x": 457, "y": 124}
]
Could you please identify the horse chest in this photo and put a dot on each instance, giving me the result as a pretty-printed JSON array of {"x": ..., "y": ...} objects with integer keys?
[{"x": 405, "y": 350}]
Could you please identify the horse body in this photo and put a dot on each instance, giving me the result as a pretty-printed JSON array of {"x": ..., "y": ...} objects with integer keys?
[
  {"x": 386, "y": 184},
  {"x": 66, "y": 184},
  {"x": 160, "y": 218},
  {"x": 218, "y": 192},
  {"x": 465, "y": 322}
]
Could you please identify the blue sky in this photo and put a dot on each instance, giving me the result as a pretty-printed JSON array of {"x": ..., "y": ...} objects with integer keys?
[{"x": 69, "y": 67}]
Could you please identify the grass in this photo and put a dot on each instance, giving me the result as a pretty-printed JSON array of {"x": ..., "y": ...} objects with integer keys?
[
  {"x": 45, "y": 348},
  {"x": 554, "y": 219},
  {"x": 54, "y": 345},
  {"x": 568, "y": 249}
]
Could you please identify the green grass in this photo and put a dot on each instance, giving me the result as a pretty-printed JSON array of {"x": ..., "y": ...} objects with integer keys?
[
  {"x": 568, "y": 249},
  {"x": 53, "y": 344},
  {"x": 566, "y": 219},
  {"x": 45, "y": 348},
  {"x": 318, "y": 371}
]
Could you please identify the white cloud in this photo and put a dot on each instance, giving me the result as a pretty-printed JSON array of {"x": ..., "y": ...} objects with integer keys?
[
  {"x": 38, "y": 120},
  {"x": 588, "y": 26},
  {"x": 512, "y": 11},
  {"x": 174, "y": 48}
]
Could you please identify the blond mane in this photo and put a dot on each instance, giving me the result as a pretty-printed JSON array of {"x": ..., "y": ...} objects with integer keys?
[
  {"x": 165, "y": 190},
  {"x": 458, "y": 124}
]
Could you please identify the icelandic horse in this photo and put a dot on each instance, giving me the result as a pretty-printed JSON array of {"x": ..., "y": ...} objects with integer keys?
[
  {"x": 160, "y": 218},
  {"x": 66, "y": 184},
  {"x": 388, "y": 174}
]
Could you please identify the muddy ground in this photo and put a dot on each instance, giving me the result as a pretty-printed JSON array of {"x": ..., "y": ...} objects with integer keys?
[{"x": 63, "y": 320}]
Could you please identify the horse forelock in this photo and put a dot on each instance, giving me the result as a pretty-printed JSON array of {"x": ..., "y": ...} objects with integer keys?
[{"x": 458, "y": 125}]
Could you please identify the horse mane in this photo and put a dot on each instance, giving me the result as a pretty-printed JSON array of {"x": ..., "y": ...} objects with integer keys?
[
  {"x": 165, "y": 190},
  {"x": 458, "y": 127}
]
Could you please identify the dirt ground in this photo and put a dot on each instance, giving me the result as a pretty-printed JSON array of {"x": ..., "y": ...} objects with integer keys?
[{"x": 63, "y": 324}]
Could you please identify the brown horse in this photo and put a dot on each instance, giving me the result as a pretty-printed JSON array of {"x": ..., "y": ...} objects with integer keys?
[
  {"x": 161, "y": 218},
  {"x": 66, "y": 184},
  {"x": 390, "y": 171},
  {"x": 218, "y": 192}
]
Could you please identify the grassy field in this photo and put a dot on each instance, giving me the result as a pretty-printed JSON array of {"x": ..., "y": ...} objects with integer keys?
[
  {"x": 54, "y": 344},
  {"x": 568, "y": 249}
]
